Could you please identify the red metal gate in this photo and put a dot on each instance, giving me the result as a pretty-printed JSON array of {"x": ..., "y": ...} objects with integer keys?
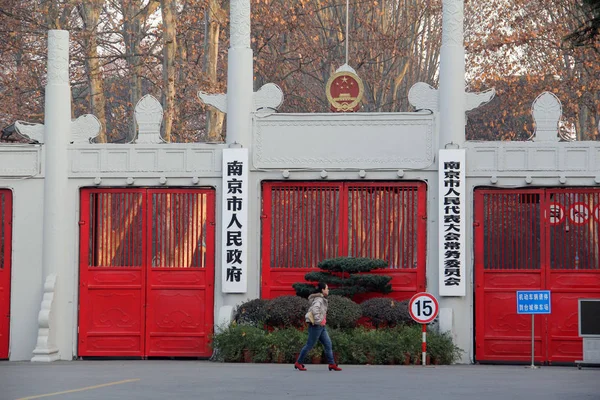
[
  {"x": 5, "y": 259},
  {"x": 534, "y": 239},
  {"x": 306, "y": 222},
  {"x": 146, "y": 272}
]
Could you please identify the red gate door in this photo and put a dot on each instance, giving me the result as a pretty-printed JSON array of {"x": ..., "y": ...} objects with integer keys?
[
  {"x": 306, "y": 222},
  {"x": 573, "y": 268},
  {"x": 112, "y": 274},
  {"x": 180, "y": 277},
  {"x": 146, "y": 272},
  {"x": 508, "y": 257},
  {"x": 5, "y": 257},
  {"x": 546, "y": 239}
]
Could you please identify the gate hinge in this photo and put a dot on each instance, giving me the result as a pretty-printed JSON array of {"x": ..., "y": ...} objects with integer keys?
[
  {"x": 263, "y": 216},
  {"x": 81, "y": 222},
  {"x": 476, "y": 223}
]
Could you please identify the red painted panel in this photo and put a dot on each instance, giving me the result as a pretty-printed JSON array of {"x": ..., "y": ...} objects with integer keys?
[
  {"x": 507, "y": 220},
  {"x": 573, "y": 267},
  {"x": 146, "y": 272},
  {"x": 306, "y": 222},
  {"x": 568, "y": 264},
  {"x": 112, "y": 280},
  {"x": 5, "y": 261},
  {"x": 501, "y": 333},
  {"x": 180, "y": 279}
]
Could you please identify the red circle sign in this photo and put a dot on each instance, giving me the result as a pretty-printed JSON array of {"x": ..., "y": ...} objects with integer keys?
[
  {"x": 556, "y": 214},
  {"x": 423, "y": 307},
  {"x": 579, "y": 213}
]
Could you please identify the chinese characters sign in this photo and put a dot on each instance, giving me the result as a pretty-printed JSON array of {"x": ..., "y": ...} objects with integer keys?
[
  {"x": 235, "y": 221},
  {"x": 452, "y": 222},
  {"x": 533, "y": 302}
]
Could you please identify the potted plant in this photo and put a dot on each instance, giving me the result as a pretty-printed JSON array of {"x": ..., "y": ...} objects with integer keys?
[{"x": 316, "y": 355}]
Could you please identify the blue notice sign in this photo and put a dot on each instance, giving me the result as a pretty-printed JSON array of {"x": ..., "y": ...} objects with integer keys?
[{"x": 533, "y": 302}]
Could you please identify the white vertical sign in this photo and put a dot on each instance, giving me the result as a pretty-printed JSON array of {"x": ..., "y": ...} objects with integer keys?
[
  {"x": 452, "y": 227},
  {"x": 234, "y": 228}
]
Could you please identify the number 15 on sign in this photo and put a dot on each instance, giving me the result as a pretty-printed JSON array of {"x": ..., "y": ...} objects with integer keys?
[{"x": 423, "y": 308}]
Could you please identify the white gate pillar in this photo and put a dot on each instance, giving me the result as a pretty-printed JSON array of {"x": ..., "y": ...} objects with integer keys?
[
  {"x": 240, "y": 75},
  {"x": 55, "y": 247},
  {"x": 452, "y": 75}
]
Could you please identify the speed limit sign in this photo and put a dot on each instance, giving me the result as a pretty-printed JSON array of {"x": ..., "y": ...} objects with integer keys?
[{"x": 423, "y": 307}]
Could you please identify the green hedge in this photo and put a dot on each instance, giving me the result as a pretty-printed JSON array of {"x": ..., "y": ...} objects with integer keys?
[
  {"x": 350, "y": 346},
  {"x": 253, "y": 312},
  {"x": 286, "y": 311},
  {"x": 352, "y": 264},
  {"x": 381, "y": 311},
  {"x": 342, "y": 312}
]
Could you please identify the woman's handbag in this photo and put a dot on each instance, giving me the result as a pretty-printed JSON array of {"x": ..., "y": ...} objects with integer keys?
[{"x": 309, "y": 316}]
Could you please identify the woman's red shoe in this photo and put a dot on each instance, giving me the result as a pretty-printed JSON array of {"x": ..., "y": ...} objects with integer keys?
[
  {"x": 334, "y": 367},
  {"x": 299, "y": 366}
]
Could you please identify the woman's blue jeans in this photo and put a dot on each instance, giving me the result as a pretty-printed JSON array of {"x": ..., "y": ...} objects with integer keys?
[{"x": 317, "y": 332}]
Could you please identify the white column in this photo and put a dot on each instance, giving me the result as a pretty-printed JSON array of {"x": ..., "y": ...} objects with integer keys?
[
  {"x": 240, "y": 76},
  {"x": 55, "y": 246},
  {"x": 452, "y": 75}
]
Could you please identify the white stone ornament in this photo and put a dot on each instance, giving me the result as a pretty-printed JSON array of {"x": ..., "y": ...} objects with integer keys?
[
  {"x": 476, "y": 99},
  {"x": 32, "y": 130},
  {"x": 218, "y": 100},
  {"x": 425, "y": 97},
  {"x": 85, "y": 128},
  {"x": 239, "y": 28},
  {"x": 58, "y": 57},
  {"x": 149, "y": 117},
  {"x": 45, "y": 349},
  {"x": 268, "y": 96},
  {"x": 546, "y": 111}
]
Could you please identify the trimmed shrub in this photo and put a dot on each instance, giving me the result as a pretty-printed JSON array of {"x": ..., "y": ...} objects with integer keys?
[
  {"x": 347, "y": 277},
  {"x": 342, "y": 312},
  {"x": 381, "y": 311},
  {"x": 442, "y": 349},
  {"x": 287, "y": 343},
  {"x": 350, "y": 346},
  {"x": 253, "y": 312},
  {"x": 286, "y": 311},
  {"x": 352, "y": 264},
  {"x": 304, "y": 289},
  {"x": 231, "y": 342}
]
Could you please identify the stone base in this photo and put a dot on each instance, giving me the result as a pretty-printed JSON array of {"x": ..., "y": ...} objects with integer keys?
[{"x": 48, "y": 355}]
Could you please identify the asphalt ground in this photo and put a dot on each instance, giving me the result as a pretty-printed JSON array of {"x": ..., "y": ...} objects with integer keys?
[{"x": 177, "y": 379}]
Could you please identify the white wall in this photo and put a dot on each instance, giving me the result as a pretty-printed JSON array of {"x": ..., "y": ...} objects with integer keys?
[{"x": 26, "y": 267}]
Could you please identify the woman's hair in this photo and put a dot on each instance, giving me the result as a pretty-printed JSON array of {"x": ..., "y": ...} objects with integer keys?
[{"x": 321, "y": 286}]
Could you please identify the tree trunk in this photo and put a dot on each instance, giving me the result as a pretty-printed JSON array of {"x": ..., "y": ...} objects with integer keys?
[
  {"x": 215, "y": 117},
  {"x": 135, "y": 15},
  {"x": 90, "y": 14},
  {"x": 169, "y": 13}
]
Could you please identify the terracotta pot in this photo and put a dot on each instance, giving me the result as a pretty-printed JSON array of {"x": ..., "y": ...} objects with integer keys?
[
  {"x": 247, "y": 355},
  {"x": 316, "y": 359},
  {"x": 407, "y": 359}
]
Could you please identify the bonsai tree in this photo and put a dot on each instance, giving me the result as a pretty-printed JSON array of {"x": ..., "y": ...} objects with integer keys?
[{"x": 347, "y": 276}]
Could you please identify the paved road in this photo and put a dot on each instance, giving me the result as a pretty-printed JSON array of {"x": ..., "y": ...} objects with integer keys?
[{"x": 101, "y": 380}]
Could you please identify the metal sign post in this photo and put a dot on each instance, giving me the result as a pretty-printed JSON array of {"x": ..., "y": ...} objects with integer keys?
[
  {"x": 423, "y": 308},
  {"x": 533, "y": 302}
]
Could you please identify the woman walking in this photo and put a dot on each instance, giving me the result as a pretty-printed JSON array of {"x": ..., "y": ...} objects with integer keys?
[{"x": 317, "y": 318}]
